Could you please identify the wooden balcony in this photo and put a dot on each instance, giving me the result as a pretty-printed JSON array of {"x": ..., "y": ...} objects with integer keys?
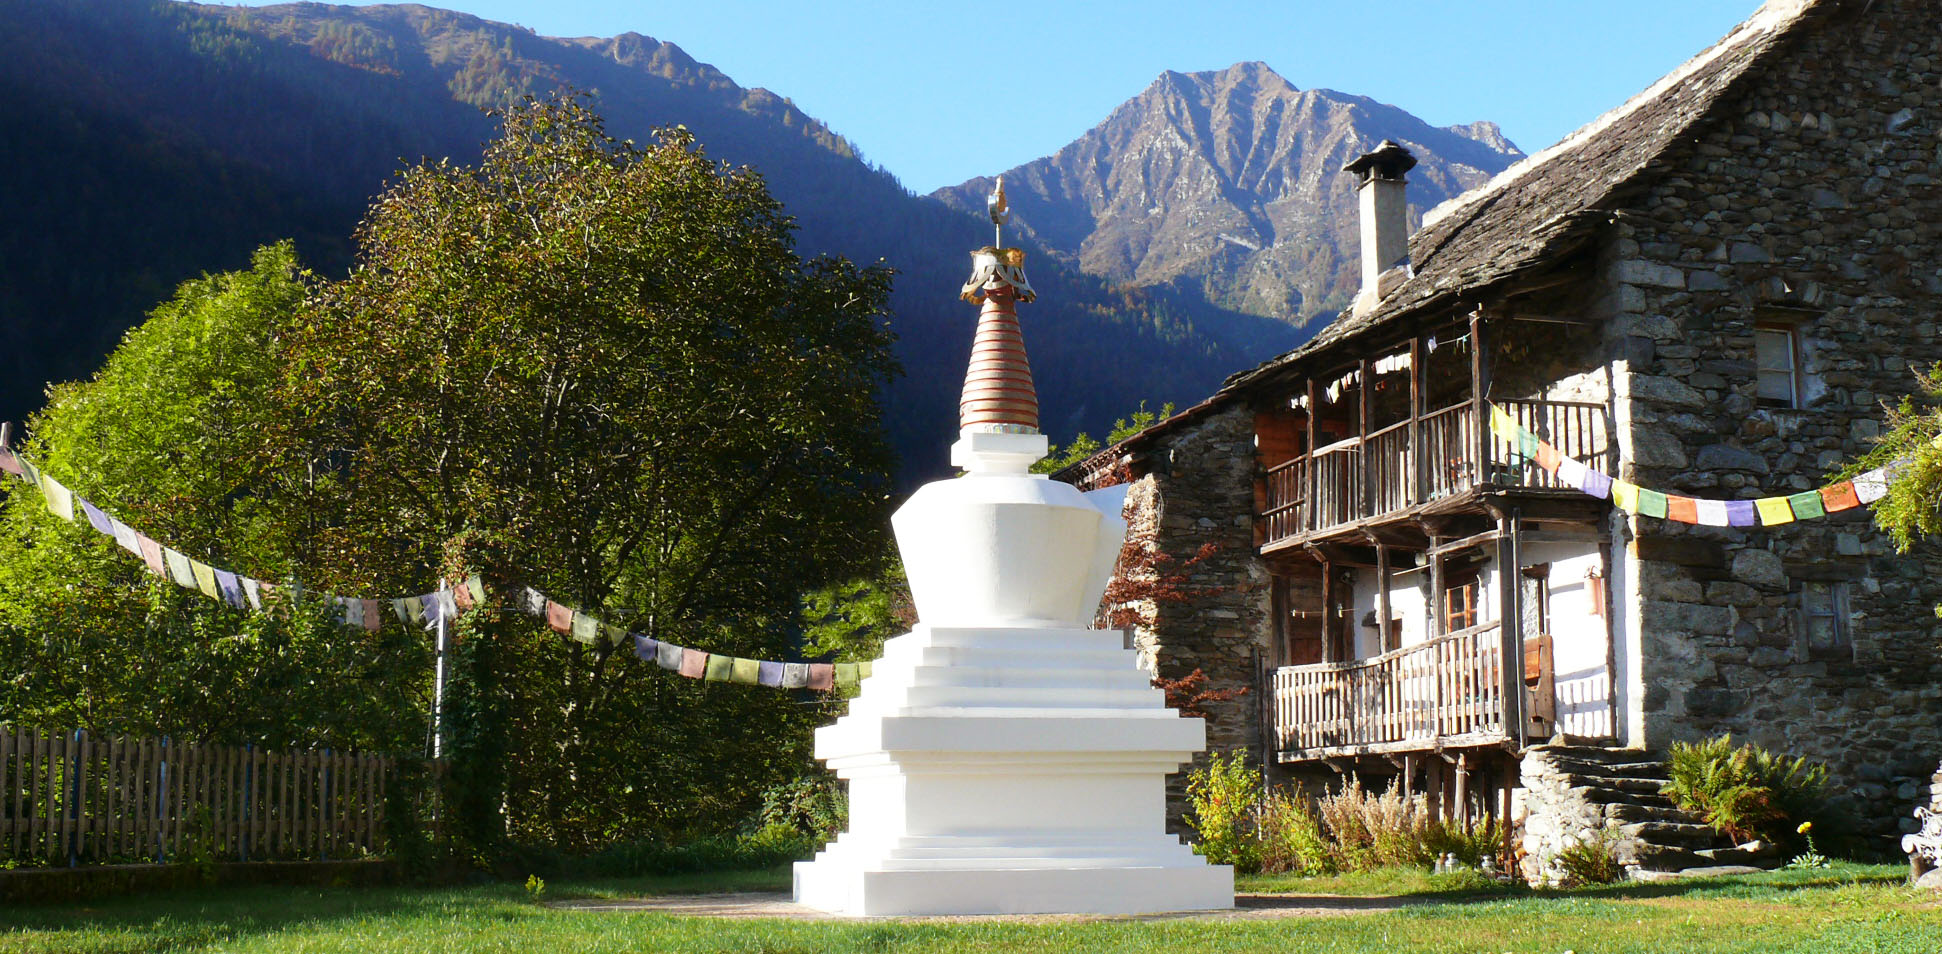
[
  {"x": 1446, "y": 692},
  {"x": 1419, "y": 463}
]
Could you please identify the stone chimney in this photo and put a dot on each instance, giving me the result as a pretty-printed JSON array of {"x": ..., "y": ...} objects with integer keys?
[{"x": 1385, "y": 221}]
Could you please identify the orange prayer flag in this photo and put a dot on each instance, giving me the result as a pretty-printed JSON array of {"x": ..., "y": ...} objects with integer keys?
[
  {"x": 1841, "y": 496},
  {"x": 1548, "y": 457},
  {"x": 559, "y": 618},
  {"x": 1682, "y": 509}
]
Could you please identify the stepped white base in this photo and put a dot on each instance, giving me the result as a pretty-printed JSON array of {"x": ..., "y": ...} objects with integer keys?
[
  {"x": 825, "y": 885},
  {"x": 1009, "y": 770}
]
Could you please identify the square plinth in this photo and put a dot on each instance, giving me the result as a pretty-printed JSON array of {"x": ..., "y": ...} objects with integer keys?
[{"x": 862, "y": 893}]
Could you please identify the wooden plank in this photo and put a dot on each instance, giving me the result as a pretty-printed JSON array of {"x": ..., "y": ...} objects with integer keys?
[{"x": 8, "y": 782}]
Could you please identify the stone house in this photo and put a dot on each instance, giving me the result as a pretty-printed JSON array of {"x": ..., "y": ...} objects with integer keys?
[{"x": 1710, "y": 291}]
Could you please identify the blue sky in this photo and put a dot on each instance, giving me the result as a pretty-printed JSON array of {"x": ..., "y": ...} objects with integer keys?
[{"x": 938, "y": 93}]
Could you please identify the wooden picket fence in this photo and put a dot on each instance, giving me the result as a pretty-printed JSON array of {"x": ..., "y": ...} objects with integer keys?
[{"x": 68, "y": 799}]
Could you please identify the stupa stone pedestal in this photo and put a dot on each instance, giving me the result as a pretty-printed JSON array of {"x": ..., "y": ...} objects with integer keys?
[{"x": 1003, "y": 758}]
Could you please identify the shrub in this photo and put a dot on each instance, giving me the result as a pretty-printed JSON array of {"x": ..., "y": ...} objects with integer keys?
[
  {"x": 1290, "y": 835},
  {"x": 1745, "y": 792},
  {"x": 813, "y": 805},
  {"x": 1221, "y": 798},
  {"x": 1592, "y": 860}
]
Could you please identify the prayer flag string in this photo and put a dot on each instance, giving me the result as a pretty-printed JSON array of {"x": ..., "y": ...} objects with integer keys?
[
  {"x": 1842, "y": 495},
  {"x": 426, "y": 609}
]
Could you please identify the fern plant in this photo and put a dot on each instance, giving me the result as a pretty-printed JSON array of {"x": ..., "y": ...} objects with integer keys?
[{"x": 1745, "y": 792}]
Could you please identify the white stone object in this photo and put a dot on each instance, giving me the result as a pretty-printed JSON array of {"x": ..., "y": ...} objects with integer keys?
[{"x": 1002, "y": 757}]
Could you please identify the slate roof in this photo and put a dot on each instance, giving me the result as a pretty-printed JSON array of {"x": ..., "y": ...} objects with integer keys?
[{"x": 1533, "y": 213}]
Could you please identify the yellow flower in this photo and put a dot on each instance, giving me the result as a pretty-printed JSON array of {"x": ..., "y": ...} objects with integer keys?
[{"x": 1804, "y": 827}]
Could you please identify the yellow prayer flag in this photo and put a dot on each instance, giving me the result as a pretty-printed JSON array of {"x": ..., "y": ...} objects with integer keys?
[
  {"x": 205, "y": 577},
  {"x": 1501, "y": 423},
  {"x": 1773, "y": 511},
  {"x": 1625, "y": 495}
]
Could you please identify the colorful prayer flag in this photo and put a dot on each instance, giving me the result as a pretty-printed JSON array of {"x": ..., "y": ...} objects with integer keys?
[
  {"x": 1838, "y": 497},
  {"x": 748, "y": 672},
  {"x": 1625, "y": 495},
  {"x": 415, "y": 609},
  {"x": 614, "y": 634},
  {"x": 1597, "y": 484},
  {"x": 1741, "y": 513},
  {"x": 124, "y": 536},
  {"x": 1682, "y": 509},
  {"x": 401, "y": 611},
  {"x": 822, "y": 676},
  {"x": 1548, "y": 457},
  {"x": 694, "y": 663},
  {"x": 60, "y": 500},
  {"x": 719, "y": 668},
  {"x": 351, "y": 611},
  {"x": 1652, "y": 503},
  {"x": 96, "y": 519},
  {"x": 1807, "y": 506},
  {"x": 560, "y": 618},
  {"x": 29, "y": 473},
  {"x": 795, "y": 675},
  {"x": 9, "y": 463},
  {"x": 670, "y": 657},
  {"x": 1526, "y": 444},
  {"x": 461, "y": 598},
  {"x": 152, "y": 555},
  {"x": 179, "y": 569},
  {"x": 476, "y": 587},
  {"x": 1502, "y": 424},
  {"x": 1871, "y": 486},
  {"x": 770, "y": 674},
  {"x": 205, "y": 579},
  {"x": 586, "y": 629},
  {"x": 230, "y": 587},
  {"x": 865, "y": 668},
  {"x": 1711, "y": 513},
  {"x": 1572, "y": 473},
  {"x": 646, "y": 650},
  {"x": 373, "y": 616},
  {"x": 1774, "y": 511},
  {"x": 253, "y": 592},
  {"x": 846, "y": 674}
]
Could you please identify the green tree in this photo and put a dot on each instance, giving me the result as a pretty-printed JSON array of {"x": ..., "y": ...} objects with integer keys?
[
  {"x": 599, "y": 369},
  {"x": 1084, "y": 445},
  {"x": 1913, "y": 445},
  {"x": 168, "y": 436}
]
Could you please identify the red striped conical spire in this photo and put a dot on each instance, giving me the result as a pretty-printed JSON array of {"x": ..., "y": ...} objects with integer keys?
[{"x": 998, "y": 393}]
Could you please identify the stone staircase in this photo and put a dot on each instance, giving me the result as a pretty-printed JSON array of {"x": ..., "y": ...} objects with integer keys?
[{"x": 1573, "y": 791}]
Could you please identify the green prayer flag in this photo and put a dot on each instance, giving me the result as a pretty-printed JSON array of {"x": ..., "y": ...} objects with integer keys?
[
  {"x": 1807, "y": 506},
  {"x": 1652, "y": 503},
  {"x": 720, "y": 668},
  {"x": 864, "y": 669},
  {"x": 415, "y": 606},
  {"x": 28, "y": 472},
  {"x": 401, "y": 610},
  {"x": 614, "y": 634},
  {"x": 205, "y": 577},
  {"x": 476, "y": 587},
  {"x": 179, "y": 569},
  {"x": 1526, "y": 444},
  {"x": 846, "y": 675},
  {"x": 748, "y": 672},
  {"x": 586, "y": 629}
]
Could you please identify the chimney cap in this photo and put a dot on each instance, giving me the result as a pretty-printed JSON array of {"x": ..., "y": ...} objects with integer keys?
[{"x": 1388, "y": 160}]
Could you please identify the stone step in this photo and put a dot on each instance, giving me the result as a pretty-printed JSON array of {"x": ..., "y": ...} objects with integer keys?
[
  {"x": 1628, "y": 812},
  {"x": 1670, "y": 834},
  {"x": 1613, "y": 796},
  {"x": 1660, "y": 858},
  {"x": 1740, "y": 856},
  {"x": 1629, "y": 769}
]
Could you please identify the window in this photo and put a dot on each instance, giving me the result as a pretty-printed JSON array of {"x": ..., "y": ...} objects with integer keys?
[
  {"x": 1776, "y": 351},
  {"x": 1460, "y": 605},
  {"x": 1823, "y": 611}
]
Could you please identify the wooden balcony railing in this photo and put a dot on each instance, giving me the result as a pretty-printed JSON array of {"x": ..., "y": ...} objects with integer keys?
[
  {"x": 1447, "y": 688},
  {"x": 1384, "y": 474}
]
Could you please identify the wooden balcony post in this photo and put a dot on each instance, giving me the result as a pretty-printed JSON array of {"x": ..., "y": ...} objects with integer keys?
[
  {"x": 1479, "y": 390},
  {"x": 1310, "y": 520},
  {"x": 1510, "y": 628},
  {"x": 1382, "y": 597},
  {"x": 1365, "y": 413},
  {"x": 1417, "y": 491}
]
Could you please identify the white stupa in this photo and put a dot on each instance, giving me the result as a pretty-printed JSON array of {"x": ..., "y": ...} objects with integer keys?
[{"x": 1003, "y": 757}]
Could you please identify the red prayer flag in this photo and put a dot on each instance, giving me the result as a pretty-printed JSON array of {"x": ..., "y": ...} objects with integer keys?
[
  {"x": 822, "y": 676},
  {"x": 152, "y": 555},
  {"x": 1548, "y": 457},
  {"x": 462, "y": 597},
  {"x": 9, "y": 463},
  {"x": 373, "y": 615},
  {"x": 1682, "y": 509},
  {"x": 1841, "y": 496},
  {"x": 560, "y": 618}
]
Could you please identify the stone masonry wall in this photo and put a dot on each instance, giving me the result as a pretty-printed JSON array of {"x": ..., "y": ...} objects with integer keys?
[{"x": 1810, "y": 198}]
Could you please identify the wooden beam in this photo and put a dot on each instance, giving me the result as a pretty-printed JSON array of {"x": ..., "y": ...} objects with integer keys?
[
  {"x": 1510, "y": 629},
  {"x": 1365, "y": 411},
  {"x": 1310, "y": 520},
  {"x": 1465, "y": 543},
  {"x": 1551, "y": 319},
  {"x": 1382, "y": 598},
  {"x": 1479, "y": 394},
  {"x": 1419, "y": 468}
]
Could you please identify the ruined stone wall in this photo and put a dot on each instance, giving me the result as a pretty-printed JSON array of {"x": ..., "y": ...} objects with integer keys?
[{"x": 1810, "y": 198}]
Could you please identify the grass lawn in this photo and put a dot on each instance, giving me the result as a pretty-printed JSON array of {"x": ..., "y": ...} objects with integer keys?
[{"x": 1848, "y": 908}]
